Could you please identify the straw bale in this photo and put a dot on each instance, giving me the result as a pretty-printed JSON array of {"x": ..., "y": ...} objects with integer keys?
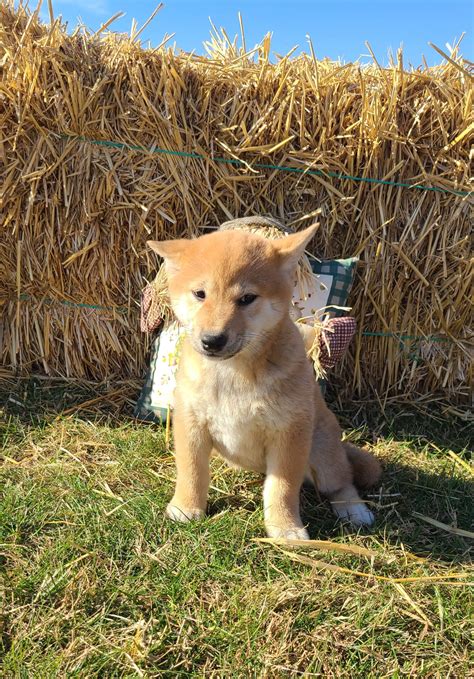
[{"x": 75, "y": 216}]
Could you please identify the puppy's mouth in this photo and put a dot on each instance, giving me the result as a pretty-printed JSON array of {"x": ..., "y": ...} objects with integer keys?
[
  {"x": 218, "y": 355},
  {"x": 222, "y": 355}
]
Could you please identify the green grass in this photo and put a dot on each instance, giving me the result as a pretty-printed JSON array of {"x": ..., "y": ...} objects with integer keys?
[{"x": 98, "y": 584}]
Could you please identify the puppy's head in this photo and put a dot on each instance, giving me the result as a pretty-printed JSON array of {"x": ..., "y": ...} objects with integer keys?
[{"x": 231, "y": 289}]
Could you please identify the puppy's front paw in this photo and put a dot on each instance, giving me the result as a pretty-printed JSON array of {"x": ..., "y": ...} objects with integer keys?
[
  {"x": 357, "y": 513},
  {"x": 184, "y": 514},
  {"x": 290, "y": 533}
]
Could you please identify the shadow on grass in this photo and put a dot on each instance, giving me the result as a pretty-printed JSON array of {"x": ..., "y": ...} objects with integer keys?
[
  {"x": 417, "y": 475},
  {"x": 35, "y": 401},
  {"x": 404, "y": 491},
  {"x": 38, "y": 400}
]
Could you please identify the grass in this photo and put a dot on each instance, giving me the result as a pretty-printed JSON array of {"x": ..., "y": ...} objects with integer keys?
[{"x": 98, "y": 584}]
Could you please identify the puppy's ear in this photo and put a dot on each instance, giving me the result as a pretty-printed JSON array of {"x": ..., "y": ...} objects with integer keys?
[
  {"x": 291, "y": 247},
  {"x": 171, "y": 250}
]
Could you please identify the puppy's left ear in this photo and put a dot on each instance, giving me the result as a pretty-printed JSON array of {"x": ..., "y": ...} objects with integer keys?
[
  {"x": 291, "y": 247},
  {"x": 171, "y": 251}
]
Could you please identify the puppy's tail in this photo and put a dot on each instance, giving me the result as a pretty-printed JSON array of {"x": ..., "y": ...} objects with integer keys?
[{"x": 366, "y": 468}]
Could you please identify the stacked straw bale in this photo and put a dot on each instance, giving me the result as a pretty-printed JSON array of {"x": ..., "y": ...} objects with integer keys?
[{"x": 75, "y": 215}]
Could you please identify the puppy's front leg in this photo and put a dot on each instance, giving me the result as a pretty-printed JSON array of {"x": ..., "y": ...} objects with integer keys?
[
  {"x": 193, "y": 448},
  {"x": 287, "y": 457}
]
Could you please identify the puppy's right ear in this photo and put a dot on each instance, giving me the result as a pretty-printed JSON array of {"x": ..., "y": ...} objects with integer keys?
[
  {"x": 171, "y": 251},
  {"x": 291, "y": 247}
]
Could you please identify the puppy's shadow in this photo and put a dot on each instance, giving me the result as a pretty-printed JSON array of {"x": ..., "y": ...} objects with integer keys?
[{"x": 403, "y": 492}]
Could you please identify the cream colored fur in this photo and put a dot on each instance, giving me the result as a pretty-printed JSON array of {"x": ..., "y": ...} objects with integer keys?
[{"x": 255, "y": 402}]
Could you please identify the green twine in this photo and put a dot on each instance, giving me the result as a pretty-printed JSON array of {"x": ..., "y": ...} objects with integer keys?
[
  {"x": 262, "y": 166},
  {"x": 414, "y": 351},
  {"x": 78, "y": 305},
  {"x": 404, "y": 338},
  {"x": 124, "y": 310}
]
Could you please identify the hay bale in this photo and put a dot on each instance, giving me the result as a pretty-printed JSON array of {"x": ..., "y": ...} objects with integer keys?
[{"x": 76, "y": 215}]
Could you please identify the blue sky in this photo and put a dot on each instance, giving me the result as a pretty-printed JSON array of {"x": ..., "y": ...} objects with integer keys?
[{"x": 338, "y": 28}]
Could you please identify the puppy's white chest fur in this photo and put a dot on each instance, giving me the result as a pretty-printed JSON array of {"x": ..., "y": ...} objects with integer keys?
[{"x": 239, "y": 416}]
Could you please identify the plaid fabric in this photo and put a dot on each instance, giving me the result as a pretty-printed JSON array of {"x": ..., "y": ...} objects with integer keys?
[
  {"x": 143, "y": 409},
  {"x": 340, "y": 274},
  {"x": 335, "y": 338},
  {"x": 149, "y": 321}
]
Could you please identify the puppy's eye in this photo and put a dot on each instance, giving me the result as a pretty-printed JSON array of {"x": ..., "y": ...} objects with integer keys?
[
  {"x": 199, "y": 294},
  {"x": 245, "y": 300}
]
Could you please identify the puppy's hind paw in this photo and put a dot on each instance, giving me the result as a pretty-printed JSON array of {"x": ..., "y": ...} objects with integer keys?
[
  {"x": 358, "y": 514},
  {"x": 184, "y": 514}
]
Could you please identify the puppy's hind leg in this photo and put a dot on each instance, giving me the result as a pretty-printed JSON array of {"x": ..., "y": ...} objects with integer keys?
[{"x": 332, "y": 472}]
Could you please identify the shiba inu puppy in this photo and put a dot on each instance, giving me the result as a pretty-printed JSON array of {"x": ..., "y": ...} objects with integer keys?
[{"x": 245, "y": 387}]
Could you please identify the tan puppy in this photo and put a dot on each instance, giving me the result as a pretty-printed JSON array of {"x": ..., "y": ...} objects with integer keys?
[{"x": 245, "y": 388}]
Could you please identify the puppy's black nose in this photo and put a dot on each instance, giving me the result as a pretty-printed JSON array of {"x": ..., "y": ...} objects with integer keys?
[{"x": 214, "y": 342}]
